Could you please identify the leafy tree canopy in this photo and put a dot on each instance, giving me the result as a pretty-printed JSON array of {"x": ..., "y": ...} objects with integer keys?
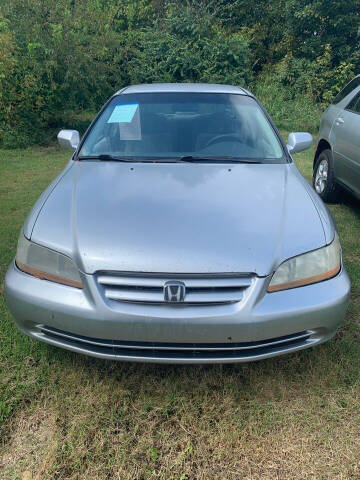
[{"x": 62, "y": 58}]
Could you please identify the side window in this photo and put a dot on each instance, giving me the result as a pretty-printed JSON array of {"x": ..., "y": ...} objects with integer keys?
[
  {"x": 357, "y": 106},
  {"x": 355, "y": 82},
  {"x": 354, "y": 105}
]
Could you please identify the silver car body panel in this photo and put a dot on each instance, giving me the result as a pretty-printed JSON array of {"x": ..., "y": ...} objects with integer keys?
[
  {"x": 180, "y": 218},
  {"x": 316, "y": 309},
  {"x": 183, "y": 87},
  {"x": 35, "y": 211}
]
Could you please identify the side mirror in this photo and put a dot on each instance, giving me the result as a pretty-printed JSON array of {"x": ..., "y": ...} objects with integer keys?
[
  {"x": 299, "y": 141},
  {"x": 69, "y": 139}
]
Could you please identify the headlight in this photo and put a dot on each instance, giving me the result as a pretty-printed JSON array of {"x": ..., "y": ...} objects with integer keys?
[
  {"x": 308, "y": 268},
  {"x": 43, "y": 263}
]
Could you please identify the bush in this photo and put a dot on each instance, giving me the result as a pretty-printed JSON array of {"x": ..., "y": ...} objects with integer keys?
[
  {"x": 71, "y": 56},
  {"x": 56, "y": 60},
  {"x": 187, "y": 45},
  {"x": 61, "y": 58},
  {"x": 289, "y": 109}
]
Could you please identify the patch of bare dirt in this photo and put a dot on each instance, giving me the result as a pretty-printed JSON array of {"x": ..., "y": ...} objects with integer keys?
[{"x": 31, "y": 448}]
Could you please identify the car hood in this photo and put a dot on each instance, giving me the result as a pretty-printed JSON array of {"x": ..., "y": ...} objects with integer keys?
[{"x": 179, "y": 218}]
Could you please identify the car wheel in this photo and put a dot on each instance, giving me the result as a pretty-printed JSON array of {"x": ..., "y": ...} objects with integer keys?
[{"x": 324, "y": 178}]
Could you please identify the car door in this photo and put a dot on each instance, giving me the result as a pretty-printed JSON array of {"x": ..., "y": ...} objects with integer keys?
[{"x": 346, "y": 145}]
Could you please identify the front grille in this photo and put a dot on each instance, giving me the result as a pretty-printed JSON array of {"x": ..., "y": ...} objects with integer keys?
[
  {"x": 160, "y": 350},
  {"x": 149, "y": 289}
]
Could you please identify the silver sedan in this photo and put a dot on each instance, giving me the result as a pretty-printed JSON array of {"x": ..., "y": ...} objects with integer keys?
[
  {"x": 180, "y": 231},
  {"x": 337, "y": 157}
]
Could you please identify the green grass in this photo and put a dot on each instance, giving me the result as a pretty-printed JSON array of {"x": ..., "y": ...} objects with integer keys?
[{"x": 66, "y": 416}]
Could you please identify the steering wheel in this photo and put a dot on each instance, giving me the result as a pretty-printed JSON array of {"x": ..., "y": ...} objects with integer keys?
[{"x": 226, "y": 137}]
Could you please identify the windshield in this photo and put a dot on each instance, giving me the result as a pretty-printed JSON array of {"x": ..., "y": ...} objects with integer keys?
[{"x": 175, "y": 125}]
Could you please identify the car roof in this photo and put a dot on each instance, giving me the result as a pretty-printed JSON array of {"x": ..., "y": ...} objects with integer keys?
[{"x": 183, "y": 87}]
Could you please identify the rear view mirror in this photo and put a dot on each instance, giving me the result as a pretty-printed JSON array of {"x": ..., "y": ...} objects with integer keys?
[
  {"x": 69, "y": 139},
  {"x": 299, "y": 141}
]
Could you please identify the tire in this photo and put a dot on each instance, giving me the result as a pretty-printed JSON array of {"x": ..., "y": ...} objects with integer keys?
[{"x": 324, "y": 178}]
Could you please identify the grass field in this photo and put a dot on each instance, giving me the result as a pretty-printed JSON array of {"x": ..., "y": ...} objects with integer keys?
[{"x": 66, "y": 416}]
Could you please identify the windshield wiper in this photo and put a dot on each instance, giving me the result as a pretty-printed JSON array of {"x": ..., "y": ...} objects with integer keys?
[
  {"x": 106, "y": 158},
  {"x": 113, "y": 158},
  {"x": 184, "y": 158},
  {"x": 222, "y": 159}
]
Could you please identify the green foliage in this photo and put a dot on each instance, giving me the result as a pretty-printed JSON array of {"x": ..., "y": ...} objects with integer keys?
[
  {"x": 308, "y": 46},
  {"x": 57, "y": 57},
  {"x": 188, "y": 45},
  {"x": 289, "y": 109},
  {"x": 61, "y": 58}
]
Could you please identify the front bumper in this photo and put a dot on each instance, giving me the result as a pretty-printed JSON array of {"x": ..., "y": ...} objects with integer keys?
[{"x": 261, "y": 325}]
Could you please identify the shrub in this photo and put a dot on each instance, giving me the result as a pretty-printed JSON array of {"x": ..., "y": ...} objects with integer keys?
[
  {"x": 70, "y": 56},
  {"x": 290, "y": 110},
  {"x": 62, "y": 58}
]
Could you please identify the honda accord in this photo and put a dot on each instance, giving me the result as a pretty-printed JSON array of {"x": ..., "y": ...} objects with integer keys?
[{"x": 180, "y": 231}]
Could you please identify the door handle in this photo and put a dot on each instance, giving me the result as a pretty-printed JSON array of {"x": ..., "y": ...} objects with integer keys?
[{"x": 339, "y": 121}]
